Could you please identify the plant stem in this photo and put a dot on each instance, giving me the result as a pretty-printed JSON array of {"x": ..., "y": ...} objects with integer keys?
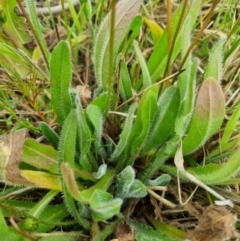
[{"x": 111, "y": 49}]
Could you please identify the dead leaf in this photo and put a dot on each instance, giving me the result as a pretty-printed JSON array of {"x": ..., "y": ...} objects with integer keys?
[
  {"x": 125, "y": 233},
  {"x": 215, "y": 224},
  {"x": 85, "y": 94},
  {"x": 11, "y": 146},
  {"x": 52, "y": 37}
]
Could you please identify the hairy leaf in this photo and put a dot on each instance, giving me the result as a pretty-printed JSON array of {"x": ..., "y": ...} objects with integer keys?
[
  {"x": 124, "y": 136},
  {"x": 125, "y": 181},
  {"x": 96, "y": 117},
  {"x": 36, "y": 24},
  {"x": 104, "y": 206},
  {"x": 67, "y": 143},
  {"x": 214, "y": 68},
  {"x": 125, "y": 12},
  {"x": 144, "y": 232},
  {"x": 102, "y": 184},
  {"x": 207, "y": 117},
  {"x": 125, "y": 82},
  {"x": 83, "y": 131},
  {"x": 101, "y": 171},
  {"x": 162, "y": 180},
  {"x": 137, "y": 190},
  {"x": 162, "y": 125},
  {"x": 60, "y": 77},
  {"x": 213, "y": 174},
  {"x": 186, "y": 84}
]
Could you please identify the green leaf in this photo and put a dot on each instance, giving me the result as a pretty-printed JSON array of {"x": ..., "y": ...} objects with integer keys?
[
  {"x": 186, "y": 84},
  {"x": 146, "y": 76},
  {"x": 70, "y": 182},
  {"x": 158, "y": 60},
  {"x": 40, "y": 156},
  {"x": 125, "y": 181},
  {"x": 60, "y": 77},
  {"x": 104, "y": 206},
  {"x": 59, "y": 237},
  {"x": 42, "y": 204},
  {"x": 137, "y": 190},
  {"x": 162, "y": 180},
  {"x": 214, "y": 68},
  {"x": 100, "y": 101},
  {"x": 168, "y": 229},
  {"x": 37, "y": 28},
  {"x": 67, "y": 143},
  {"x": 231, "y": 125},
  {"x": 125, "y": 13},
  {"x": 83, "y": 131},
  {"x": 49, "y": 134},
  {"x": 124, "y": 136},
  {"x": 215, "y": 174},
  {"x": 165, "y": 152},
  {"x": 144, "y": 232},
  {"x": 207, "y": 117},
  {"x": 5, "y": 233},
  {"x": 14, "y": 26},
  {"x": 146, "y": 111},
  {"x": 101, "y": 171},
  {"x": 12, "y": 61},
  {"x": 155, "y": 29},
  {"x": 96, "y": 117},
  {"x": 66, "y": 153},
  {"x": 102, "y": 184},
  {"x": 110, "y": 228},
  {"x": 125, "y": 82},
  {"x": 162, "y": 125},
  {"x": 133, "y": 32}
]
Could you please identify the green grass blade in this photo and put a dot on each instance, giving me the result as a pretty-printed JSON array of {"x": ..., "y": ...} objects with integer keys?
[
  {"x": 60, "y": 77},
  {"x": 146, "y": 76},
  {"x": 231, "y": 125},
  {"x": 49, "y": 134}
]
